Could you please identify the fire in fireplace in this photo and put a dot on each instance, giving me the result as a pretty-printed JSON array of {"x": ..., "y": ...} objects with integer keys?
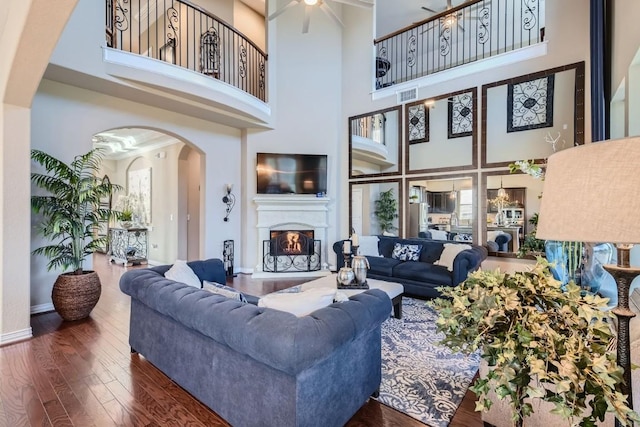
[{"x": 291, "y": 242}]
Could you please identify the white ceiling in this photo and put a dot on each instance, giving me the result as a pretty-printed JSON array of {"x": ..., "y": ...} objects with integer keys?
[
  {"x": 392, "y": 15},
  {"x": 129, "y": 142}
]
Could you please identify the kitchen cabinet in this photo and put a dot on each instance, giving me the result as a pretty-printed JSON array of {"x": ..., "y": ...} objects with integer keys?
[{"x": 441, "y": 202}]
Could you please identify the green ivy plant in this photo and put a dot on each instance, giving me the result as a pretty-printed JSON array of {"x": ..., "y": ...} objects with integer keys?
[
  {"x": 539, "y": 342},
  {"x": 386, "y": 210}
]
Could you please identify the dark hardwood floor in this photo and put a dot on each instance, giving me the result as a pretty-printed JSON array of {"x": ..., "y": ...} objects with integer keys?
[{"x": 82, "y": 373}]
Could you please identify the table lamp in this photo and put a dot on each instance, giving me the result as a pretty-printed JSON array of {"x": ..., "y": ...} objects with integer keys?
[{"x": 591, "y": 193}]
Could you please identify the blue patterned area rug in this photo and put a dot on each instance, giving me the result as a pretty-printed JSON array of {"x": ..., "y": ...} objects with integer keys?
[{"x": 421, "y": 377}]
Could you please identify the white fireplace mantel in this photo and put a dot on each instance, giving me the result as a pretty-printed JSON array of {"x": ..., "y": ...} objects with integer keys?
[{"x": 291, "y": 212}]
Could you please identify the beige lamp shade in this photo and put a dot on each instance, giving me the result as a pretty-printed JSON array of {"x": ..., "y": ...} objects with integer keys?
[{"x": 591, "y": 193}]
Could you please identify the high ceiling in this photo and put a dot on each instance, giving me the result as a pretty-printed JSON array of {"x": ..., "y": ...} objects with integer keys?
[{"x": 392, "y": 15}]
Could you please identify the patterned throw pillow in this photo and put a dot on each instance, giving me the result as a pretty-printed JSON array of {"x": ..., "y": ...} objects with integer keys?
[
  {"x": 406, "y": 252},
  {"x": 224, "y": 290}
]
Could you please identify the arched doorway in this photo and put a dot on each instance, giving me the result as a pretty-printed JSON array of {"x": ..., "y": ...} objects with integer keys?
[{"x": 160, "y": 175}]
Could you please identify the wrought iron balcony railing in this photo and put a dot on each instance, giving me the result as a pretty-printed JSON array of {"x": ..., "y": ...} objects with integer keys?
[
  {"x": 186, "y": 35},
  {"x": 475, "y": 30}
]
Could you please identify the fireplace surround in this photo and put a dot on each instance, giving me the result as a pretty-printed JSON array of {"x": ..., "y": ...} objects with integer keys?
[{"x": 277, "y": 214}]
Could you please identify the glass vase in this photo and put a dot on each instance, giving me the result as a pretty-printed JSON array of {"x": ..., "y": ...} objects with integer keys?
[{"x": 567, "y": 258}]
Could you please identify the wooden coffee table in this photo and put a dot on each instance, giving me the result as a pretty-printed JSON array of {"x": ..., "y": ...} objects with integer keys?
[{"x": 393, "y": 289}]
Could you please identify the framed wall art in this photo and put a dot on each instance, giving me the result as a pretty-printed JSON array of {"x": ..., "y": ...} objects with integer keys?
[
  {"x": 417, "y": 115},
  {"x": 530, "y": 104},
  {"x": 460, "y": 117},
  {"x": 139, "y": 190}
]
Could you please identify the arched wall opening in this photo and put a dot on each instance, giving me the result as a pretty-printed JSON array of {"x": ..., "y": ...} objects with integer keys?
[{"x": 160, "y": 174}]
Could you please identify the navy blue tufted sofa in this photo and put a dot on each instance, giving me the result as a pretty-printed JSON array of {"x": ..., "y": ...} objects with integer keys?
[
  {"x": 258, "y": 366},
  {"x": 420, "y": 278}
]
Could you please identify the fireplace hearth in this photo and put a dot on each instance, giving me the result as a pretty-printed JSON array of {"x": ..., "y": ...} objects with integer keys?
[{"x": 291, "y": 250}]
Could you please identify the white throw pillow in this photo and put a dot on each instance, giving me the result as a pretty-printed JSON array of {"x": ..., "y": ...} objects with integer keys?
[
  {"x": 368, "y": 246},
  {"x": 181, "y": 272},
  {"x": 300, "y": 303},
  {"x": 438, "y": 235},
  {"x": 449, "y": 254}
]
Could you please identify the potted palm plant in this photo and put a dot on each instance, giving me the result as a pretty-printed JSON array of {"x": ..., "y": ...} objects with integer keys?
[
  {"x": 539, "y": 341},
  {"x": 70, "y": 213},
  {"x": 386, "y": 210}
]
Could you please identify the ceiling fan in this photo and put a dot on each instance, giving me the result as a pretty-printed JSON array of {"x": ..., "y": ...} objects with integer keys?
[
  {"x": 309, "y": 5},
  {"x": 448, "y": 20}
]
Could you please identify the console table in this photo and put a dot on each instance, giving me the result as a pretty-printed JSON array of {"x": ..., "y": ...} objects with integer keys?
[{"x": 129, "y": 245}]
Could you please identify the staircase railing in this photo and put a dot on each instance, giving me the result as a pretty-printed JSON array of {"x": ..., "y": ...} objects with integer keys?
[
  {"x": 184, "y": 34},
  {"x": 475, "y": 30}
]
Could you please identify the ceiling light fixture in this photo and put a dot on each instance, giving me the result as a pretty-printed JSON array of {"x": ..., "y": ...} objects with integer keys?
[
  {"x": 501, "y": 191},
  {"x": 322, "y": 5},
  {"x": 449, "y": 20}
]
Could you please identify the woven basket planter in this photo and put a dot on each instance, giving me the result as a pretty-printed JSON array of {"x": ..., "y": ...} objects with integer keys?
[{"x": 75, "y": 295}]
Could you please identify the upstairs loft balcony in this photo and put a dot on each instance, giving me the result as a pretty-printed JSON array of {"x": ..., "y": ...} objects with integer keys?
[
  {"x": 186, "y": 35},
  {"x": 368, "y": 143},
  {"x": 472, "y": 31}
]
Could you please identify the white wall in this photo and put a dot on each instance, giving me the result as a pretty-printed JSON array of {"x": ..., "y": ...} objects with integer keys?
[
  {"x": 305, "y": 93},
  {"x": 65, "y": 118},
  {"x": 626, "y": 38},
  {"x": 223, "y": 9},
  {"x": 30, "y": 30},
  {"x": 165, "y": 204},
  {"x": 250, "y": 23}
]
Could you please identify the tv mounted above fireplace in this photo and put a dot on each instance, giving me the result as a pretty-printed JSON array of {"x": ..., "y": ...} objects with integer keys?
[{"x": 279, "y": 173}]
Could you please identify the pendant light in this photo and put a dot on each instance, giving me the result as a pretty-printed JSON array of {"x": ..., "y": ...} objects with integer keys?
[
  {"x": 501, "y": 192},
  {"x": 453, "y": 194}
]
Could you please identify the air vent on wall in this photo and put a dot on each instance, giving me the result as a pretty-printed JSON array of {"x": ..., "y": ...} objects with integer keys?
[{"x": 407, "y": 95}]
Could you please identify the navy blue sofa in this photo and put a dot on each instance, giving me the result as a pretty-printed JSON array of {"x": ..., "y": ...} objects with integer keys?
[
  {"x": 420, "y": 278},
  {"x": 257, "y": 366}
]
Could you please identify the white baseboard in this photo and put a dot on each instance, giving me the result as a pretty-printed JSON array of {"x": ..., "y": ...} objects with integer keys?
[
  {"x": 42, "y": 308},
  {"x": 16, "y": 336}
]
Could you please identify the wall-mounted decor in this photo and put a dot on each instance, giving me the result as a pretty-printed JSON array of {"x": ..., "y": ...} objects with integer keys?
[
  {"x": 417, "y": 122},
  {"x": 444, "y": 151},
  {"x": 564, "y": 115},
  {"x": 530, "y": 104},
  {"x": 139, "y": 189},
  {"x": 460, "y": 122}
]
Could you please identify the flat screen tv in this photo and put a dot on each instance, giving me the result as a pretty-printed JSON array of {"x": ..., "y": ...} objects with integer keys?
[{"x": 291, "y": 173}]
